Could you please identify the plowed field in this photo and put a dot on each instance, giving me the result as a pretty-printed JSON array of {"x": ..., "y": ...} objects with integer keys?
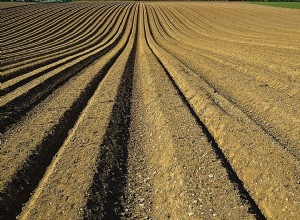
[{"x": 149, "y": 111}]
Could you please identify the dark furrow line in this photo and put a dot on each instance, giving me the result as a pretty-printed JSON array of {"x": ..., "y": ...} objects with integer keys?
[
  {"x": 157, "y": 21},
  {"x": 12, "y": 24},
  {"x": 66, "y": 26},
  {"x": 17, "y": 108},
  {"x": 69, "y": 20},
  {"x": 50, "y": 40},
  {"x": 176, "y": 20},
  {"x": 35, "y": 30},
  {"x": 50, "y": 60},
  {"x": 170, "y": 22},
  {"x": 21, "y": 11},
  {"x": 232, "y": 175},
  {"x": 109, "y": 182},
  {"x": 16, "y": 7},
  {"x": 213, "y": 29},
  {"x": 31, "y": 19},
  {"x": 30, "y": 78},
  {"x": 216, "y": 55},
  {"x": 216, "y": 36},
  {"x": 14, "y": 12},
  {"x": 191, "y": 23},
  {"x": 37, "y": 21},
  {"x": 25, "y": 43},
  {"x": 234, "y": 102},
  {"x": 63, "y": 43},
  {"x": 23, "y": 70},
  {"x": 161, "y": 26},
  {"x": 28, "y": 177},
  {"x": 23, "y": 17}
]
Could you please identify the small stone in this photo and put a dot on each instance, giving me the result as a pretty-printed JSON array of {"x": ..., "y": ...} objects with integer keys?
[{"x": 191, "y": 213}]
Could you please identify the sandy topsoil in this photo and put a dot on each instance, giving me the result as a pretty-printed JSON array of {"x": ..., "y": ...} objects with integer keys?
[{"x": 178, "y": 110}]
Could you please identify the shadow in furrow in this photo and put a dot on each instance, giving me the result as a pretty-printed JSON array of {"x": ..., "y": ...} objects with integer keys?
[
  {"x": 26, "y": 69},
  {"x": 283, "y": 143},
  {"x": 106, "y": 197},
  {"x": 28, "y": 177},
  {"x": 29, "y": 68},
  {"x": 17, "y": 108},
  {"x": 232, "y": 175}
]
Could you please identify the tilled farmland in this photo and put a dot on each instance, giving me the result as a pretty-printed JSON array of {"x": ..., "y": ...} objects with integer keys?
[{"x": 173, "y": 110}]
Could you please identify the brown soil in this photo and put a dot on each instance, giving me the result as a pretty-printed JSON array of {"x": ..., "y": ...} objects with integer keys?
[{"x": 149, "y": 111}]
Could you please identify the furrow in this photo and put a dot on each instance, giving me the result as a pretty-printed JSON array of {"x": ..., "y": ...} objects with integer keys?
[
  {"x": 106, "y": 193},
  {"x": 232, "y": 176},
  {"x": 14, "y": 5},
  {"x": 52, "y": 34},
  {"x": 23, "y": 17},
  {"x": 36, "y": 22},
  {"x": 39, "y": 18},
  {"x": 61, "y": 45},
  {"x": 239, "y": 58},
  {"x": 102, "y": 116},
  {"x": 158, "y": 110},
  {"x": 22, "y": 71},
  {"x": 231, "y": 136},
  {"x": 160, "y": 184},
  {"x": 14, "y": 107},
  {"x": 49, "y": 123},
  {"x": 266, "y": 118},
  {"x": 103, "y": 29}
]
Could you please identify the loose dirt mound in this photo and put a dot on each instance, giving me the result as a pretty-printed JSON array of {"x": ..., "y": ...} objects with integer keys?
[{"x": 149, "y": 111}]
